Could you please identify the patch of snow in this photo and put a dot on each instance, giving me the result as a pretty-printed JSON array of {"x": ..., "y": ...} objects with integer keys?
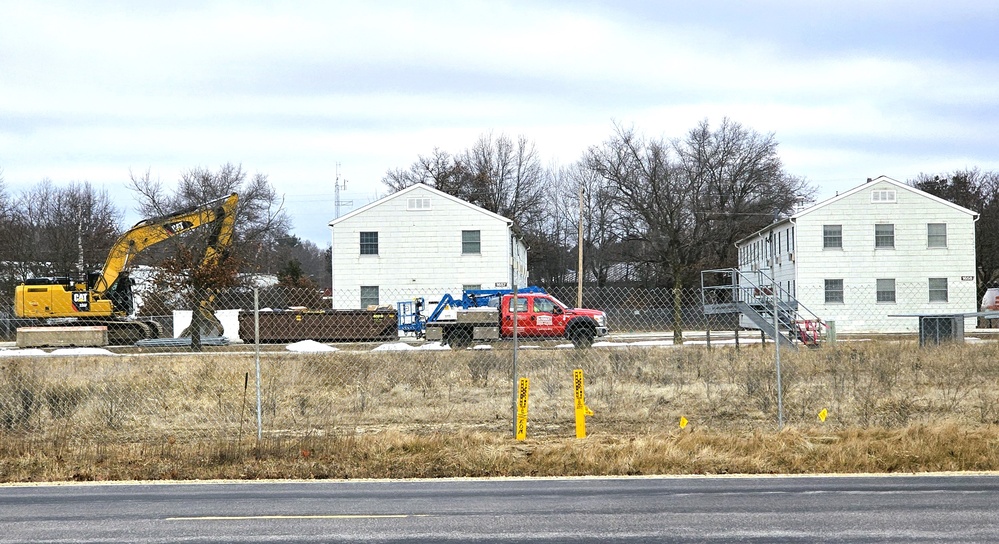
[
  {"x": 81, "y": 351},
  {"x": 656, "y": 343},
  {"x": 399, "y": 346},
  {"x": 20, "y": 352},
  {"x": 482, "y": 346},
  {"x": 435, "y": 346},
  {"x": 309, "y": 346}
]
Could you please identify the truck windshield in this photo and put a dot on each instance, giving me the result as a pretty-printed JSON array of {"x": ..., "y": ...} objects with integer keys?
[
  {"x": 544, "y": 305},
  {"x": 560, "y": 303}
]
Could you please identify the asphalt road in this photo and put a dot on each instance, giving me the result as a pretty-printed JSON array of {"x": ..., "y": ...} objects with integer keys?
[{"x": 943, "y": 508}]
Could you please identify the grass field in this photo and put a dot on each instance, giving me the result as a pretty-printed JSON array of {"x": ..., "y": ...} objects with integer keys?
[{"x": 891, "y": 406}]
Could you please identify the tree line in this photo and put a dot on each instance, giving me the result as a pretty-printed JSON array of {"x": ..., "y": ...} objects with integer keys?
[
  {"x": 65, "y": 231},
  {"x": 653, "y": 211}
]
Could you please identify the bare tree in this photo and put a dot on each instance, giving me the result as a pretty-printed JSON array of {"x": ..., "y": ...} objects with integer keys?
[
  {"x": 7, "y": 241},
  {"x": 439, "y": 170},
  {"x": 261, "y": 220},
  {"x": 672, "y": 193},
  {"x": 552, "y": 238},
  {"x": 657, "y": 202},
  {"x": 498, "y": 174},
  {"x": 6, "y": 207},
  {"x": 580, "y": 194},
  {"x": 740, "y": 185},
  {"x": 505, "y": 177},
  {"x": 61, "y": 231}
]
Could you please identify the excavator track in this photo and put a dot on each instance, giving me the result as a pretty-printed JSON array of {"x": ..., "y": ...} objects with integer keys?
[
  {"x": 126, "y": 333},
  {"x": 120, "y": 332}
]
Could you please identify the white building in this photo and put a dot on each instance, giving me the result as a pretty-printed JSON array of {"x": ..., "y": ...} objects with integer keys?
[
  {"x": 879, "y": 250},
  {"x": 422, "y": 242}
]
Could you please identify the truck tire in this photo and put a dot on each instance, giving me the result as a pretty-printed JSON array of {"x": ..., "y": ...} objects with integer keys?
[
  {"x": 460, "y": 338},
  {"x": 581, "y": 337}
]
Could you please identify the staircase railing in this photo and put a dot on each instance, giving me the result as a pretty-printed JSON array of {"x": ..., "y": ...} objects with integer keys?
[{"x": 770, "y": 307}]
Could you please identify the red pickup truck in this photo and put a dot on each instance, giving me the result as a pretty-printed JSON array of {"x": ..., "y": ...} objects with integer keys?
[{"x": 539, "y": 316}]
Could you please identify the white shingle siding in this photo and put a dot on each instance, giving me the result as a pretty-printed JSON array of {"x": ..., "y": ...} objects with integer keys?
[
  {"x": 420, "y": 251},
  {"x": 859, "y": 264}
]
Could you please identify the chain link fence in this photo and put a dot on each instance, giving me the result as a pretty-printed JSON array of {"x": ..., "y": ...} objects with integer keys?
[{"x": 325, "y": 372}]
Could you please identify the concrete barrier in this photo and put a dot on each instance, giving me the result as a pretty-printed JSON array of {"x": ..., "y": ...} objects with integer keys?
[{"x": 33, "y": 337}]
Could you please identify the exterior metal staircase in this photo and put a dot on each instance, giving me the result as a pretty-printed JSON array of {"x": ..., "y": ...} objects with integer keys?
[{"x": 761, "y": 300}]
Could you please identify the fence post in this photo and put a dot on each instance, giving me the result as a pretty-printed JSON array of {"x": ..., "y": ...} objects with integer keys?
[
  {"x": 256, "y": 350},
  {"x": 515, "y": 348}
]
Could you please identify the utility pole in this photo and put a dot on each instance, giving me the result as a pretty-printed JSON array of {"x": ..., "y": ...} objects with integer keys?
[{"x": 579, "y": 274}]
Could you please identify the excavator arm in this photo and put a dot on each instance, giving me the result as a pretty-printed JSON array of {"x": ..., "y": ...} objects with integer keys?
[{"x": 149, "y": 232}]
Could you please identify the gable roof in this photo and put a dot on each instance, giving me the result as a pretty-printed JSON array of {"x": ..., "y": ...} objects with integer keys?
[
  {"x": 853, "y": 191},
  {"x": 890, "y": 181},
  {"x": 431, "y": 190}
]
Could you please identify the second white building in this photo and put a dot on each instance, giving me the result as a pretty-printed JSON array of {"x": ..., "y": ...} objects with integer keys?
[{"x": 880, "y": 250}]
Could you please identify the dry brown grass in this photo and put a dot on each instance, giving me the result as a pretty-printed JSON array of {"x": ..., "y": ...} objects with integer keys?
[{"x": 893, "y": 407}]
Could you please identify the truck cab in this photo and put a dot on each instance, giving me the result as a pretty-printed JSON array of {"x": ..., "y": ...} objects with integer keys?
[
  {"x": 489, "y": 315},
  {"x": 544, "y": 316}
]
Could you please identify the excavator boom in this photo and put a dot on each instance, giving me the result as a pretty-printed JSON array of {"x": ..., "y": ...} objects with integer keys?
[{"x": 149, "y": 232}]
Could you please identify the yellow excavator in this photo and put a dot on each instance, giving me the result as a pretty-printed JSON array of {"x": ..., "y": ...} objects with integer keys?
[{"x": 105, "y": 297}]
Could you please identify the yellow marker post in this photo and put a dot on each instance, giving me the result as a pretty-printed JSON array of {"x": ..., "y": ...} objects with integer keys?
[
  {"x": 522, "y": 392},
  {"x": 581, "y": 409},
  {"x": 683, "y": 422},
  {"x": 823, "y": 414}
]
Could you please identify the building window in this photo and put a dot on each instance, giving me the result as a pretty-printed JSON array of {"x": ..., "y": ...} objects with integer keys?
[
  {"x": 884, "y": 236},
  {"x": 369, "y": 243},
  {"x": 369, "y": 295},
  {"x": 470, "y": 242},
  {"x": 883, "y": 196},
  {"x": 938, "y": 289},
  {"x": 834, "y": 291},
  {"x": 832, "y": 236},
  {"x": 419, "y": 204},
  {"x": 936, "y": 235},
  {"x": 886, "y": 290}
]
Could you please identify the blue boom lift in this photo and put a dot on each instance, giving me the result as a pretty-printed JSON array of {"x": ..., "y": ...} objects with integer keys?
[{"x": 411, "y": 318}]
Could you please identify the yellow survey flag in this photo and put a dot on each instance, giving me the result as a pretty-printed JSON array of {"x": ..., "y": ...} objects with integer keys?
[
  {"x": 683, "y": 422},
  {"x": 823, "y": 414}
]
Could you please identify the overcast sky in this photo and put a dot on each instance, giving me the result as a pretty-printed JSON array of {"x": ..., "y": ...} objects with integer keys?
[{"x": 851, "y": 89}]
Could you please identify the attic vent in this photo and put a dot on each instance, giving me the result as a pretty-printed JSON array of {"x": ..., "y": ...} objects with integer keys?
[
  {"x": 419, "y": 203},
  {"x": 883, "y": 195}
]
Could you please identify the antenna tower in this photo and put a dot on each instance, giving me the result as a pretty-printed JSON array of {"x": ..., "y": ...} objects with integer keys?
[{"x": 336, "y": 193}]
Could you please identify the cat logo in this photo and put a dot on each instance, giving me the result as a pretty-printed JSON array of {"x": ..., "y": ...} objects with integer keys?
[
  {"x": 179, "y": 226},
  {"x": 81, "y": 301}
]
